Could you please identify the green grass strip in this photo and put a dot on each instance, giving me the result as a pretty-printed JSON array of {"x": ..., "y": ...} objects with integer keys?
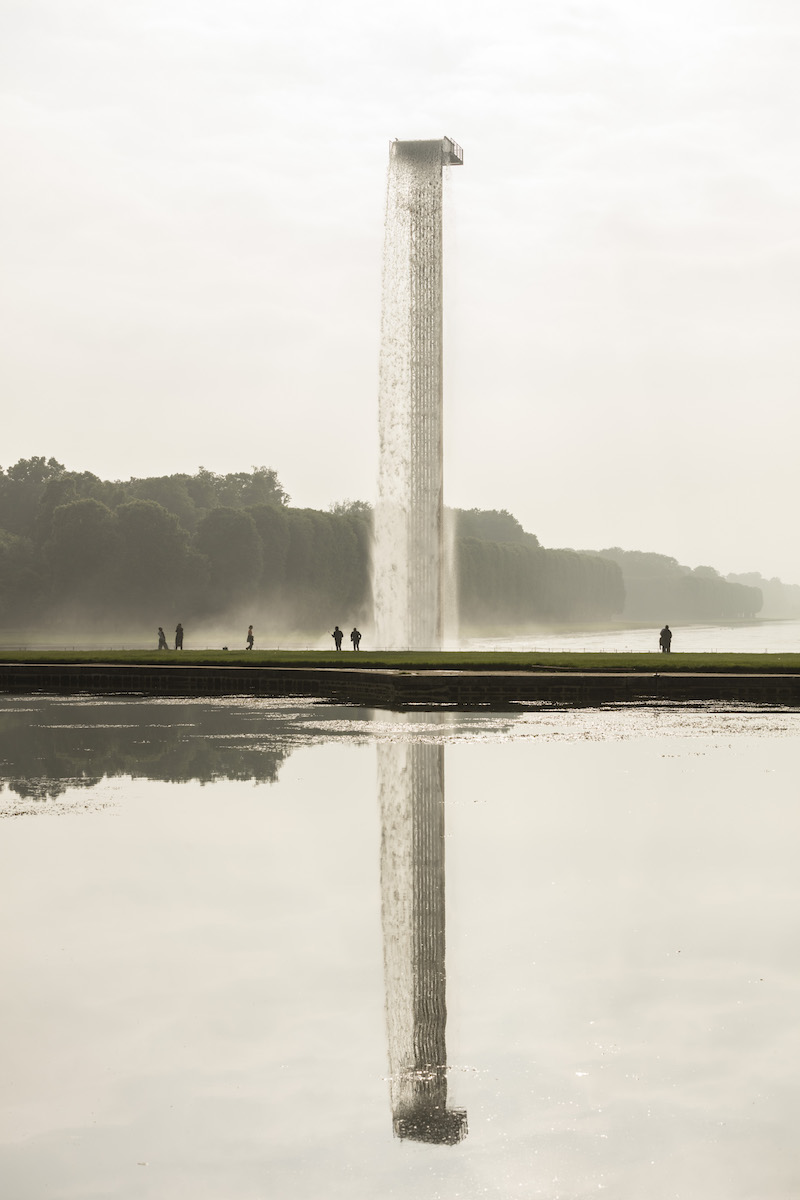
[{"x": 426, "y": 661}]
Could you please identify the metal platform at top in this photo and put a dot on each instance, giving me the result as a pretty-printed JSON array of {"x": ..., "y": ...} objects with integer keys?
[{"x": 452, "y": 154}]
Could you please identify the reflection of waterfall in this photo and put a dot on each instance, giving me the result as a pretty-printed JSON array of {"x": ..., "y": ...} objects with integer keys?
[
  {"x": 407, "y": 584},
  {"x": 411, "y": 788}
]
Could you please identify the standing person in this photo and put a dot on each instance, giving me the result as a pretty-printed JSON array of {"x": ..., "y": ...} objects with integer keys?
[
  {"x": 665, "y": 639},
  {"x": 355, "y": 638},
  {"x": 337, "y": 636},
  {"x": 250, "y": 637},
  {"x": 179, "y": 636},
  {"x": 162, "y": 639}
]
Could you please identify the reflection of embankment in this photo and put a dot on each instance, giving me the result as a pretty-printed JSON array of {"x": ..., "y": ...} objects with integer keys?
[
  {"x": 54, "y": 745},
  {"x": 411, "y": 789}
]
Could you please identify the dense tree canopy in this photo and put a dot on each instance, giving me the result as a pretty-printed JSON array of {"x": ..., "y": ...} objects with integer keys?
[
  {"x": 491, "y": 525},
  {"x": 781, "y": 600},
  {"x": 149, "y": 551},
  {"x": 21, "y": 489},
  {"x": 658, "y": 588},
  {"x": 513, "y": 584},
  {"x": 154, "y": 561},
  {"x": 82, "y": 549},
  {"x": 228, "y": 539}
]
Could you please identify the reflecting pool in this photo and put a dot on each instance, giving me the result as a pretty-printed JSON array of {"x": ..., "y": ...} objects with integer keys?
[{"x": 282, "y": 949}]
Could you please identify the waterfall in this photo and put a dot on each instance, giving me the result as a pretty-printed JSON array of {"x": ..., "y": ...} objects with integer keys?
[{"x": 408, "y": 551}]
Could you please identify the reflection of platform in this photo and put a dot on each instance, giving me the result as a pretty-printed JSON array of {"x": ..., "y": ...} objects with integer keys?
[
  {"x": 441, "y": 1126},
  {"x": 411, "y": 788}
]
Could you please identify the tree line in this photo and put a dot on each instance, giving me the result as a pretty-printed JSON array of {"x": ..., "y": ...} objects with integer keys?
[
  {"x": 781, "y": 600},
  {"x": 507, "y": 580},
  {"x": 129, "y": 555},
  {"x": 76, "y": 548},
  {"x": 659, "y": 588}
]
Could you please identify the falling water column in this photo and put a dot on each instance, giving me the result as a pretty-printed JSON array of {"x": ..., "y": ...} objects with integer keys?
[
  {"x": 408, "y": 554},
  {"x": 411, "y": 791}
]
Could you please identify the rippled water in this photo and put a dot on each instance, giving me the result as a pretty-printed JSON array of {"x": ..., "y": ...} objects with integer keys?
[{"x": 196, "y": 906}]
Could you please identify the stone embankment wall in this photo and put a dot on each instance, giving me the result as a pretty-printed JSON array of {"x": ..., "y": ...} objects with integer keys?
[{"x": 396, "y": 689}]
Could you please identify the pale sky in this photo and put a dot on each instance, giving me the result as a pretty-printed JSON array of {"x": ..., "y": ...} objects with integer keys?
[{"x": 192, "y": 226}]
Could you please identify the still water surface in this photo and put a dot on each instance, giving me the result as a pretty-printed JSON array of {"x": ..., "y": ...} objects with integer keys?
[
  {"x": 223, "y": 950},
  {"x": 741, "y": 637}
]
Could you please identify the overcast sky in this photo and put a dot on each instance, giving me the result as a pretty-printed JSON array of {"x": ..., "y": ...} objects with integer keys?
[{"x": 192, "y": 225}]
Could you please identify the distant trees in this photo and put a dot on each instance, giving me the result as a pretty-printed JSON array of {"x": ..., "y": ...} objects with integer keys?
[
  {"x": 659, "y": 588},
  {"x": 154, "y": 566},
  {"x": 781, "y": 600},
  {"x": 242, "y": 488},
  {"x": 272, "y": 525},
  {"x": 22, "y": 579},
  {"x": 74, "y": 546},
  {"x": 491, "y": 525},
  {"x": 172, "y": 493},
  {"x": 513, "y": 584},
  {"x": 21, "y": 488},
  {"x": 228, "y": 539},
  {"x": 81, "y": 548},
  {"x": 146, "y": 550},
  {"x": 327, "y": 569}
]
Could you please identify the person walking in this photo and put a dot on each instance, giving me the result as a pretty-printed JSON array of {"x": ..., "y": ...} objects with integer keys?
[
  {"x": 179, "y": 636},
  {"x": 250, "y": 637},
  {"x": 162, "y": 639},
  {"x": 665, "y": 639},
  {"x": 337, "y": 636},
  {"x": 355, "y": 638}
]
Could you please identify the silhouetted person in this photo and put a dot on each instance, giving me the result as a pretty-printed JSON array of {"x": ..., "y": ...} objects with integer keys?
[
  {"x": 355, "y": 638},
  {"x": 179, "y": 636},
  {"x": 250, "y": 637},
  {"x": 337, "y": 636},
  {"x": 162, "y": 639},
  {"x": 665, "y": 639}
]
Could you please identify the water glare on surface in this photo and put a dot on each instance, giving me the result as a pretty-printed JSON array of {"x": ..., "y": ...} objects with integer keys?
[
  {"x": 232, "y": 955},
  {"x": 740, "y": 637}
]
